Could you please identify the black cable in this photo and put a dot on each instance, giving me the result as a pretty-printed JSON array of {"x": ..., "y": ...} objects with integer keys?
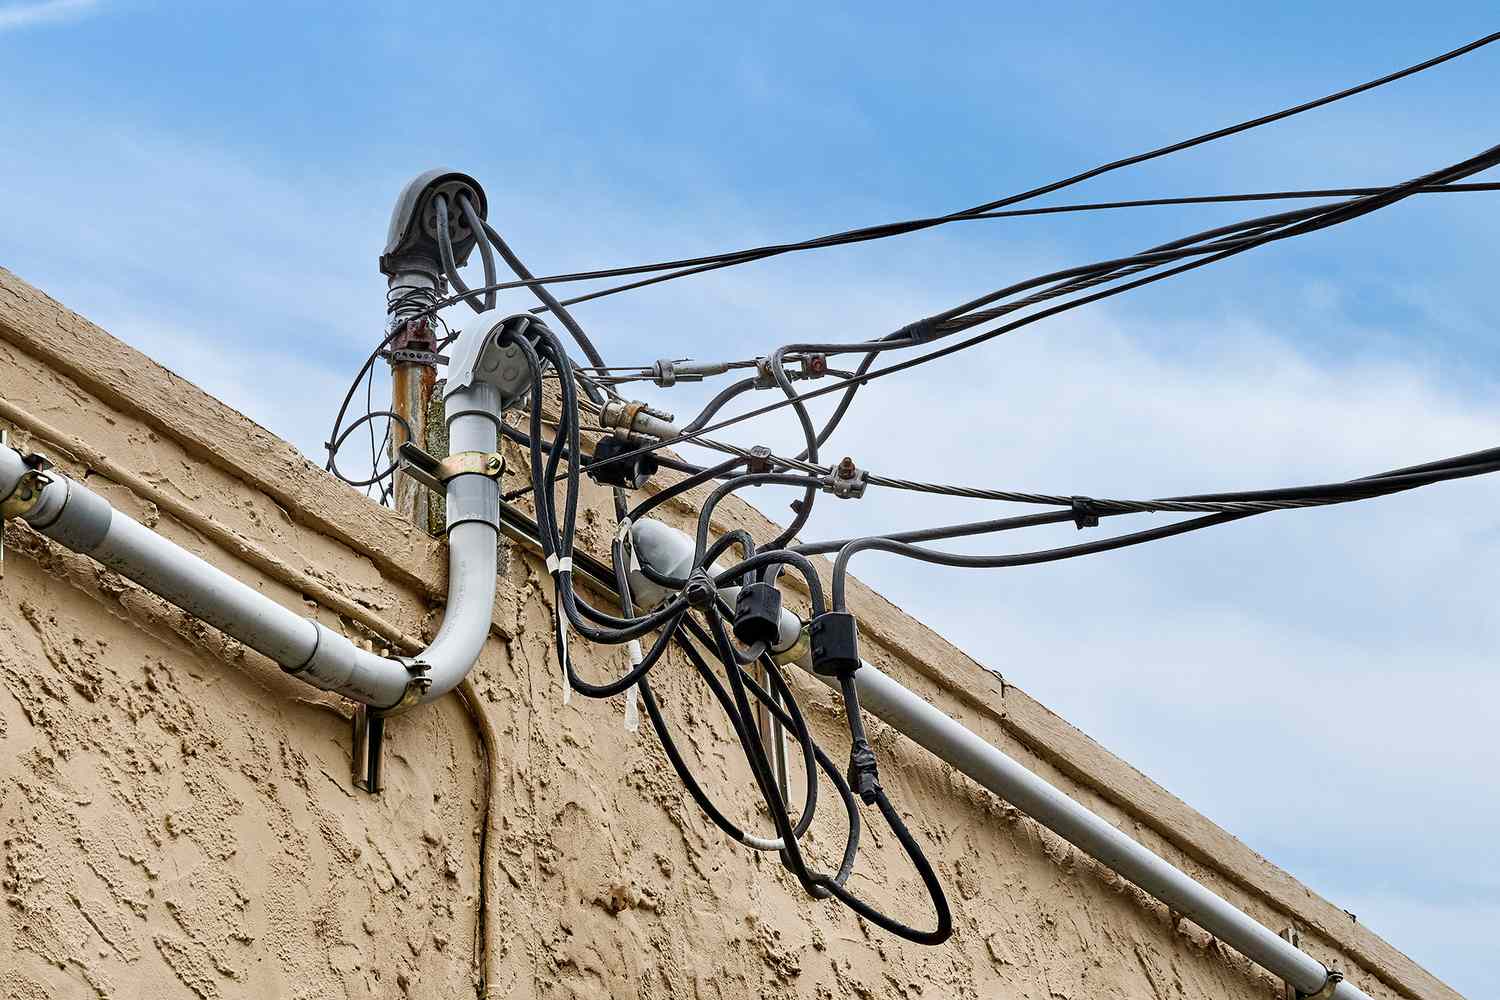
[
  {"x": 698, "y": 265},
  {"x": 486, "y": 252},
  {"x": 377, "y": 474},
  {"x": 450, "y": 266},
  {"x": 1236, "y": 247},
  {"x": 684, "y": 485}
]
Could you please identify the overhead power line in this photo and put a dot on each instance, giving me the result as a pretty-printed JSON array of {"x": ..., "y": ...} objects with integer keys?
[{"x": 697, "y": 265}]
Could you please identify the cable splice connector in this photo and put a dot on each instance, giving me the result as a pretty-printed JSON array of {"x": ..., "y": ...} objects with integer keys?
[
  {"x": 835, "y": 643},
  {"x": 757, "y": 614},
  {"x": 846, "y": 481},
  {"x": 626, "y": 418},
  {"x": 700, "y": 590}
]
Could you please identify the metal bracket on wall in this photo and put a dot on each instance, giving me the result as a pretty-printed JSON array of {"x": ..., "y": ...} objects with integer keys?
[
  {"x": 434, "y": 473},
  {"x": 368, "y": 746},
  {"x": 1294, "y": 937}
]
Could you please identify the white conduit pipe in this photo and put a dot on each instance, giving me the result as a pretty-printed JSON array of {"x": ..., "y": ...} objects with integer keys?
[
  {"x": 75, "y": 516},
  {"x": 669, "y": 551}
]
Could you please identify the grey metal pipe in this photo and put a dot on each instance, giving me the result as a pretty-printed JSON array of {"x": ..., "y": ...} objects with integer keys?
[
  {"x": 12, "y": 468},
  {"x": 667, "y": 550},
  {"x": 78, "y": 518}
]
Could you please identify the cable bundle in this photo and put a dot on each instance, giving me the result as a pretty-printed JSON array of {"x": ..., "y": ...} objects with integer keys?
[{"x": 723, "y": 642}]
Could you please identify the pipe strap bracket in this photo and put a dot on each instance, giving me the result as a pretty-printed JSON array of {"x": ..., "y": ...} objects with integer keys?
[
  {"x": 434, "y": 473},
  {"x": 1326, "y": 991},
  {"x": 28, "y": 489}
]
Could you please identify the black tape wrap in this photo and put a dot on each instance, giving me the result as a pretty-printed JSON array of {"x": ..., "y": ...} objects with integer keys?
[{"x": 864, "y": 779}]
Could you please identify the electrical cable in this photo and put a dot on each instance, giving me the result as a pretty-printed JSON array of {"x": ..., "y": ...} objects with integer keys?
[
  {"x": 1232, "y": 248},
  {"x": 676, "y": 618},
  {"x": 698, "y": 265}
]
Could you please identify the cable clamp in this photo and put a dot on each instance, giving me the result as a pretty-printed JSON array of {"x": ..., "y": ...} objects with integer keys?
[
  {"x": 763, "y": 377},
  {"x": 556, "y": 565},
  {"x": 407, "y": 356},
  {"x": 847, "y": 481},
  {"x": 667, "y": 373},
  {"x": 1085, "y": 514},
  {"x": 607, "y": 467},
  {"x": 758, "y": 461},
  {"x": 1326, "y": 992},
  {"x": 814, "y": 365}
]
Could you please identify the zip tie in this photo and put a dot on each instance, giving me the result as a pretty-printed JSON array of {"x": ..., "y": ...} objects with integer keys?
[
  {"x": 562, "y": 647},
  {"x": 632, "y": 695}
]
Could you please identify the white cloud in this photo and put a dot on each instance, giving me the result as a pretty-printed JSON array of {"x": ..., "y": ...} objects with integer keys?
[{"x": 23, "y": 15}]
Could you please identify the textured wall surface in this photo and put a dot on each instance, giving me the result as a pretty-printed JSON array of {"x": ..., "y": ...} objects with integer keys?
[{"x": 177, "y": 818}]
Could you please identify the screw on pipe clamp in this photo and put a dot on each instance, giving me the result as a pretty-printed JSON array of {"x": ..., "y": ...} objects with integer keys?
[
  {"x": 28, "y": 489},
  {"x": 434, "y": 473},
  {"x": 1326, "y": 992}
]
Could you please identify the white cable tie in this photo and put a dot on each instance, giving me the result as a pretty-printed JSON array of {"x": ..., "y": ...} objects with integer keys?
[
  {"x": 551, "y": 564},
  {"x": 562, "y": 645},
  {"x": 632, "y": 695}
]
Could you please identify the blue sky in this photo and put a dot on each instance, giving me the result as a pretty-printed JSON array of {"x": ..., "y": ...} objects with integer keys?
[{"x": 211, "y": 182}]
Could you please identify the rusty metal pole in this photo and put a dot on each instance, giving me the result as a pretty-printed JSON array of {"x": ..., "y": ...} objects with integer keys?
[{"x": 413, "y": 363}]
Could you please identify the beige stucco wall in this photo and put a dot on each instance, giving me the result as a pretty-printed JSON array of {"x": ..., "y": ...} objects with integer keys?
[{"x": 177, "y": 819}]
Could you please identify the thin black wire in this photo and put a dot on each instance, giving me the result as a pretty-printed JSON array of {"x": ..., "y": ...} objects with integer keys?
[
  {"x": 697, "y": 265},
  {"x": 1305, "y": 221}
]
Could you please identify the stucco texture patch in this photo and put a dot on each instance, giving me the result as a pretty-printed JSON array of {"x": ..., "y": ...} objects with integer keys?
[{"x": 177, "y": 818}]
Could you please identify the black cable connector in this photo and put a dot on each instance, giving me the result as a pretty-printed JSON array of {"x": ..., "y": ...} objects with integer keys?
[
  {"x": 757, "y": 614},
  {"x": 629, "y": 474},
  {"x": 1085, "y": 514},
  {"x": 835, "y": 643}
]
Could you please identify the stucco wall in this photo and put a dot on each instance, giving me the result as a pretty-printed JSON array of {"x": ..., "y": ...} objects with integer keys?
[{"x": 177, "y": 819}]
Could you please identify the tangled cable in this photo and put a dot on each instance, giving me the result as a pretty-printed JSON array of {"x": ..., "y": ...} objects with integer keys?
[{"x": 723, "y": 641}]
